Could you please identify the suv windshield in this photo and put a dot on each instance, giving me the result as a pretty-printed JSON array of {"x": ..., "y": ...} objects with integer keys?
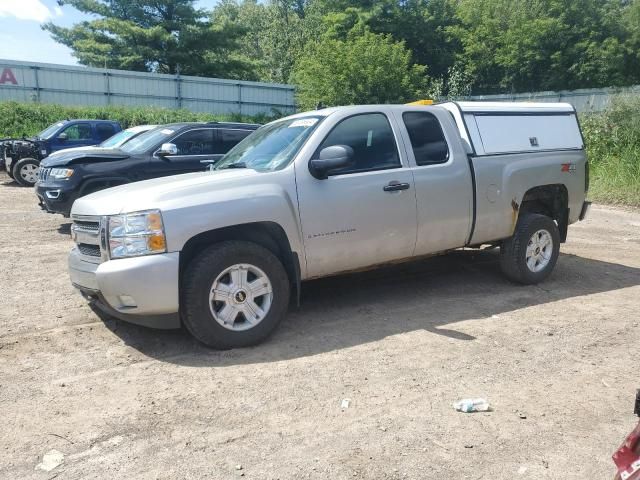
[
  {"x": 118, "y": 139},
  {"x": 271, "y": 147},
  {"x": 48, "y": 132},
  {"x": 147, "y": 140}
]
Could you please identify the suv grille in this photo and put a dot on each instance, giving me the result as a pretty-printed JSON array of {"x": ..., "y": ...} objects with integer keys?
[{"x": 43, "y": 173}]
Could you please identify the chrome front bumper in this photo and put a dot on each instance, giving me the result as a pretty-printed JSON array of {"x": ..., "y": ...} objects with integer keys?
[{"x": 142, "y": 290}]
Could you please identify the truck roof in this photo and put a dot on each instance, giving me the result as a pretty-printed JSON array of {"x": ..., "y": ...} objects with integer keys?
[
  {"x": 470, "y": 107},
  {"x": 515, "y": 107}
]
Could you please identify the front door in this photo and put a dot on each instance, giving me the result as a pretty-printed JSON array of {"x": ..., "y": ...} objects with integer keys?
[
  {"x": 196, "y": 150},
  {"x": 364, "y": 214},
  {"x": 75, "y": 135}
]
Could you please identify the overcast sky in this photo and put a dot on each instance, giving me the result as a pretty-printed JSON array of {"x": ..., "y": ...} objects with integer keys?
[{"x": 21, "y": 37}]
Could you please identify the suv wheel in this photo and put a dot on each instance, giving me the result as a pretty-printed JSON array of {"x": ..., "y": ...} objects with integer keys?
[
  {"x": 530, "y": 255},
  {"x": 235, "y": 294},
  {"x": 25, "y": 171}
]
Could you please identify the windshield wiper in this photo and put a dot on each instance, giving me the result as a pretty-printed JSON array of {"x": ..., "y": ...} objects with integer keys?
[{"x": 237, "y": 165}]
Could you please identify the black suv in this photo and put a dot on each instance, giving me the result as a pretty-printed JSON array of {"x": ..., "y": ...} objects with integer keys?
[{"x": 166, "y": 150}]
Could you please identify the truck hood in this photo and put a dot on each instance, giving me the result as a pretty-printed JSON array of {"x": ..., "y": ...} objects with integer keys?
[
  {"x": 83, "y": 155},
  {"x": 163, "y": 193}
]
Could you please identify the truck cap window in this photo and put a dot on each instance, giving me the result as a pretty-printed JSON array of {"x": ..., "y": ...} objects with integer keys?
[
  {"x": 371, "y": 138},
  {"x": 427, "y": 139},
  {"x": 271, "y": 147}
]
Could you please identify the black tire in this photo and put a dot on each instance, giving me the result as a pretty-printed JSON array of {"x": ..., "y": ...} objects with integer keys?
[
  {"x": 198, "y": 279},
  {"x": 513, "y": 252},
  {"x": 20, "y": 176}
]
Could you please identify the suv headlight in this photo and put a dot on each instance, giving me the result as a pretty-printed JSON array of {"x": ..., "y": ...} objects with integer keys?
[
  {"x": 61, "y": 173},
  {"x": 135, "y": 234}
]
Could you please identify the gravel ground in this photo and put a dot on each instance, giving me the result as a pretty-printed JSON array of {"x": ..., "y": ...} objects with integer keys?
[{"x": 558, "y": 362}]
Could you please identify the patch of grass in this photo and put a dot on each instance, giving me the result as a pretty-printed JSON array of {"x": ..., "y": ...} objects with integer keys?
[
  {"x": 613, "y": 147},
  {"x": 18, "y": 119}
]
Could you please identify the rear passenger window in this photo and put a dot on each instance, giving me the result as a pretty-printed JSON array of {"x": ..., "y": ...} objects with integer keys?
[
  {"x": 427, "y": 139},
  {"x": 371, "y": 138},
  {"x": 227, "y": 139},
  {"x": 104, "y": 131}
]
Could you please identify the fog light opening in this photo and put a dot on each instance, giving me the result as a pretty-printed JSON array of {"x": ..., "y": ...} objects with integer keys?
[
  {"x": 127, "y": 301},
  {"x": 52, "y": 194}
]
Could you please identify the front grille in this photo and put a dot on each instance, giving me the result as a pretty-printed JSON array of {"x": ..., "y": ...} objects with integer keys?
[
  {"x": 89, "y": 250},
  {"x": 43, "y": 173},
  {"x": 85, "y": 231}
]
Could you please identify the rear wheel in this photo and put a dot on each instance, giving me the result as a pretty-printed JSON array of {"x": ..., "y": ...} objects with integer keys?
[
  {"x": 530, "y": 255},
  {"x": 235, "y": 294},
  {"x": 25, "y": 171}
]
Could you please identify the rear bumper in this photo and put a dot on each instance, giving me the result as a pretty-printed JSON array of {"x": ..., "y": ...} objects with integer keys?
[
  {"x": 140, "y": 290},
  {"x": 585, "y": 209}
]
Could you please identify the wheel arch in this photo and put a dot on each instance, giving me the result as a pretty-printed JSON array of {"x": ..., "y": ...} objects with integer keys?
[
  {"x": 269, "y": 235},
  {"x": 89, "y": 186},
  {"x": 551, "y": 200}
]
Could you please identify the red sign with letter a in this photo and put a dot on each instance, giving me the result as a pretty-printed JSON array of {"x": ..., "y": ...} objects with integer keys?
[{"x": 7, "y": 76}]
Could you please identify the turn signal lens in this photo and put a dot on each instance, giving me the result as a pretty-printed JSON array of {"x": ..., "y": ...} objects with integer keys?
[{"x": 156, "y": 243}]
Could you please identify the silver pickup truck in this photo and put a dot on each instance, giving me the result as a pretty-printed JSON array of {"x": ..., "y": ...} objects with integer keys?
[{"x": 330, "y": 191}]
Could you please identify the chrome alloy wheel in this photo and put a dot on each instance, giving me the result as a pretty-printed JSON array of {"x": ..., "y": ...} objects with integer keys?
[
  {"x": 539, "y": 251},
  {"x": 29, "y": 173},
  {"x": 240, "y": 297}
]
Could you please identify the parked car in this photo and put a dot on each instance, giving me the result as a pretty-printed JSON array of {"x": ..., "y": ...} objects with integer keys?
[
  {"x": 326, "y": 192},
  {"x": 627, "y": 457},
  {"x": 116, "y": 141},
  {"x": 22, "y": 156},
  {"x": 165, "y": 150}
]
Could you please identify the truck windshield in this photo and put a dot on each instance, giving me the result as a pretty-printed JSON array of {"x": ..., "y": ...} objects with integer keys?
[
  {"x": 48, "y": 132},
  {"x": 147, "y": 140},
  {"x": 271, "y": 147}
]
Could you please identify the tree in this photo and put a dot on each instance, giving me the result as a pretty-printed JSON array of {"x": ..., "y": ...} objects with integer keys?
[
  {"x": 362, "y": 68},
  {"x": 165, "y": 36}
]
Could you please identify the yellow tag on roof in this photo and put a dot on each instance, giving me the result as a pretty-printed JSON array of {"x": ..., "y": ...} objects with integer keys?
[{"x": 421, "y": 102}]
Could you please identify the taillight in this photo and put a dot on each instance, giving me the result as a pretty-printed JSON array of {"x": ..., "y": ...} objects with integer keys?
[{"x": 586, "y": 176}]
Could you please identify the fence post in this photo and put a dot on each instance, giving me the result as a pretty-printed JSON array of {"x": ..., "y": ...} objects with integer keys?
[
  {"x": 178, "y": 89},
  {"x": 37, "y": 82},
  {"x": 107, "y": 87},
  {"x": 240, "y": 99}
]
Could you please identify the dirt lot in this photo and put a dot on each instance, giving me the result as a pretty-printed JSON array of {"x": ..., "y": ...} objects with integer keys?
[{"x": 558, "y": 362}]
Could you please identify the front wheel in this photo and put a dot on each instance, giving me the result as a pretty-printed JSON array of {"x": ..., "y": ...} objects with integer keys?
[
  {"x": 234, "y": 294},
  {"x": 25, "y": 171},
  {"x": 530, "y": 255}
]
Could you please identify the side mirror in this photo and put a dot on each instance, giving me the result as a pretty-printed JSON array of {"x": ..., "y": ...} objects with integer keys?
[
  {"x": 63, "y": 136},
  {"x": 331, "y": 158},
  {"x": 168, "y": 149}
]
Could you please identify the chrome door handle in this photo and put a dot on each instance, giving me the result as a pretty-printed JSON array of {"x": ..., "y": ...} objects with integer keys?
[{"x": 396, "y": 186}]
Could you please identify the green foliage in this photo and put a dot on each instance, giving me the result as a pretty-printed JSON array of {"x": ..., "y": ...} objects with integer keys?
[
  {"x": 17, "y": 119},
  {"x": 613, "y": 147},
  {"x": 529, "y": 45},
  {"x": 165, "y": 36},
  {"x": 362, "y": 68}
]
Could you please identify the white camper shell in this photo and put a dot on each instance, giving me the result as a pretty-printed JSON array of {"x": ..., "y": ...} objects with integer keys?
[{"x": 495, "y": 128}]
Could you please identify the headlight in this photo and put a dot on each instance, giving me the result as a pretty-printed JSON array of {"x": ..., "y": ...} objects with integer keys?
[
  {"x": 135, "y": 234},
  {"x": 61, "y": 173}
]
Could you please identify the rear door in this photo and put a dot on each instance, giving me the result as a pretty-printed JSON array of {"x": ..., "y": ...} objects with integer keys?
[{"x": 443, "y": 183}]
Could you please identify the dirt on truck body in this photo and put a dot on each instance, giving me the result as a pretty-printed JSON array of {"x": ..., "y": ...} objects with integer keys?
[{"x": 555, "y": 361}]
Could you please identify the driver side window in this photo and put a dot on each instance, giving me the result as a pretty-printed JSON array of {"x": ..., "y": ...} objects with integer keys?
[
  {"x": 372, "y": 140},
  {"x": 79, "y": 131}
]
